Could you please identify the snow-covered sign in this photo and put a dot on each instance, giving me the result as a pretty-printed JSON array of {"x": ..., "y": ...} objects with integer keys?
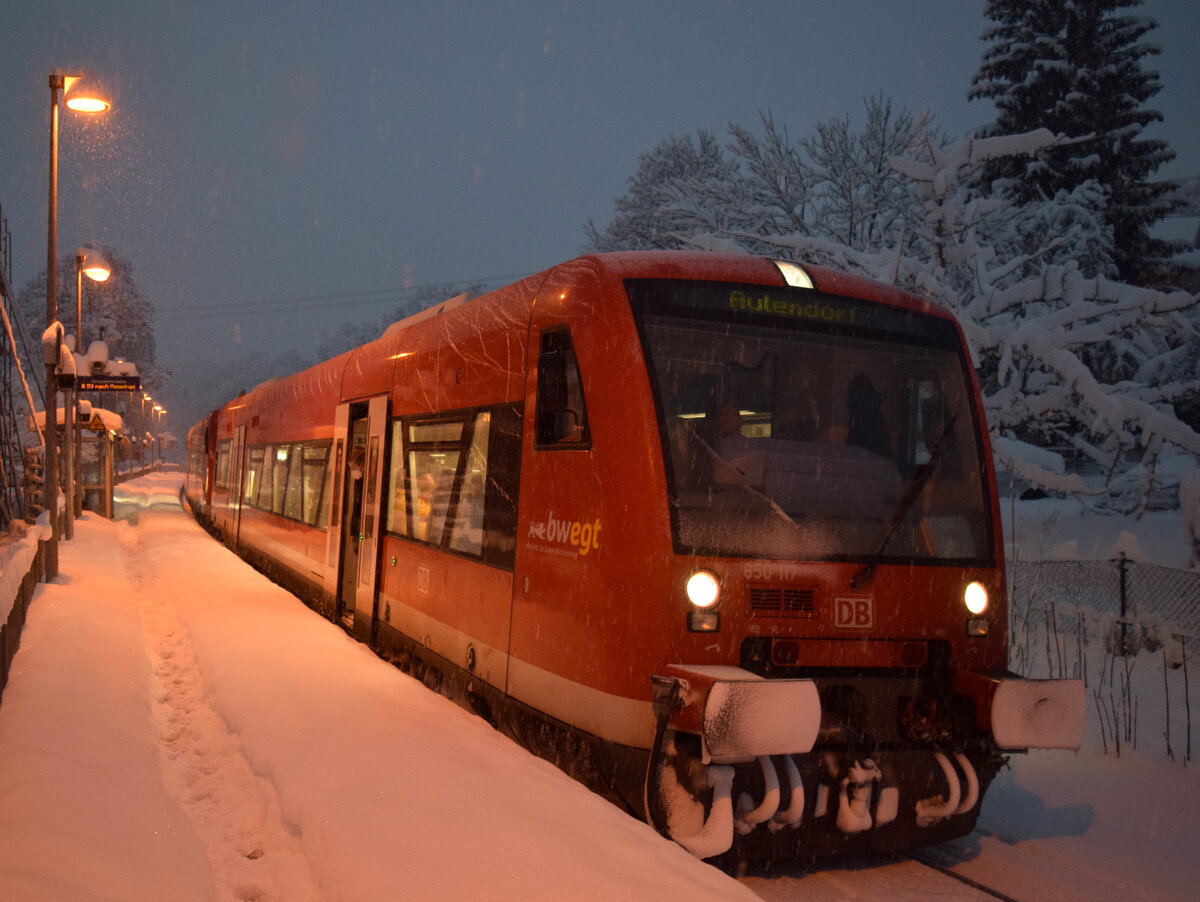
[{"x": 111, "y": 421}]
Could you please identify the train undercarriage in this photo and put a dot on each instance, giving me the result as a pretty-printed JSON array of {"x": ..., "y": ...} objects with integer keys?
[
  {"x": 890, "y": 762},
  {"x": 819, "y": 803}
]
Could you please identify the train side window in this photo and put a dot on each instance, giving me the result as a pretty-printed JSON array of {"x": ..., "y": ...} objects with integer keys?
[
  {"x": 254, "y": 468},
  {"x": 315, "y": 458},
  {"x": 503, "y": 484},
  {"x": 561, "y": 411},
  {"x": 466, "y": 527},
  {"x": 224, "y": 448},
  {"x": 454, "y": 482},
  {"x": 266, "y": 480},
  {"x": 397, "y": 514},
  {"x": 433, "y": 480},
  {"x": 293, "y": 492},
  {"x": 279, "y": 478},
  {"x": 434, "y": 449}
]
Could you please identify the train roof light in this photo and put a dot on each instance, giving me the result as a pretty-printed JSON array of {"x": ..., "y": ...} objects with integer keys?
[{"x": 794, "y": 274}]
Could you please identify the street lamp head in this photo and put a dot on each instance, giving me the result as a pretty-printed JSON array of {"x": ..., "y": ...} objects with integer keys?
[
  {"x": 92, "y": 264},
  {"x": 85, "y": 101}
]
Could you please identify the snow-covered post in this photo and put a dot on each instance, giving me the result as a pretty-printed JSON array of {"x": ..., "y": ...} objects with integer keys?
[{"x": 51, "y": 344}]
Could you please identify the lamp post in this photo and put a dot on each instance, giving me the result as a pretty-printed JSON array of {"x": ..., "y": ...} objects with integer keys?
[
  {"x": 160, "y": 410},
  {"x": 88, "y": 262},
  {"x": 60, "y": 85},
  {"x": 91, "y": 263}
]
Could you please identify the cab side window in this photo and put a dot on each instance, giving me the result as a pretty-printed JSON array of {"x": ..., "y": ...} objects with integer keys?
[{"x": 561, "y": 412}]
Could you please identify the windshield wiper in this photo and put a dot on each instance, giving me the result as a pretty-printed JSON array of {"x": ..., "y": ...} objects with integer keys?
[{"x": 863, "y": 576}]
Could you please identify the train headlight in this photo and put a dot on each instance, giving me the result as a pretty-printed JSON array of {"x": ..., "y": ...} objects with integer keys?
[
  {"x": 703, "y": 589},
  {"x": 703, "y": 592},
  {"x": 975, "y": 597}
]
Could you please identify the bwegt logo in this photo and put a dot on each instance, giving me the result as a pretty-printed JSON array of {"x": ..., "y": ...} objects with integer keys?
[{"x": 583, "y": 537}]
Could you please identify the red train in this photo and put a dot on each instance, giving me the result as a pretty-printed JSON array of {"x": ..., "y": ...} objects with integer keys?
[{"x": 718, "y": 535}]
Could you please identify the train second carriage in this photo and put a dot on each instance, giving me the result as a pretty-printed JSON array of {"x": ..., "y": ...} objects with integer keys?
[{"x": 717, "y": 534}]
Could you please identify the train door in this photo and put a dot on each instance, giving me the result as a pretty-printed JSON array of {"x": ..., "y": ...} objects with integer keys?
[
  {"x": 238, "y": 463},
  {"x": 359, "y": 430}
]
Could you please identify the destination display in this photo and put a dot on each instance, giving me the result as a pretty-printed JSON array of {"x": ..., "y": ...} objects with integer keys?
[{"x": 108, "y": 383}]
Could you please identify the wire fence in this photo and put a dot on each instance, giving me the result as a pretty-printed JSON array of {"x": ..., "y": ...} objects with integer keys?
[{"x": 1125, "y": 629}]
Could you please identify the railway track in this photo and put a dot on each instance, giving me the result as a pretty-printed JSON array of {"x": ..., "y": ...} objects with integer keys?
[
  {"x": 928, "y": 861},
  {"x": 903, "y": 877}
]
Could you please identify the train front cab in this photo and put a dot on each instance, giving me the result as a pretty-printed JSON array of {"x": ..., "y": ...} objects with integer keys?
[{"x": 845, "y": 698}]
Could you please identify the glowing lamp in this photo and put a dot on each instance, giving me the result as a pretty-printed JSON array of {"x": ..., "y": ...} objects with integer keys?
[
  {"x": 793, "y": 274},
  {"x": 975, "y": 597},
  {"x": 89, "y": 101},
  {"x": 93, "y": 265}
]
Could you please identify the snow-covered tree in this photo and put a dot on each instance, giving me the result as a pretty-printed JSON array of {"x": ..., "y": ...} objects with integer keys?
[
  {"x": 835, "y": 185},
  {"x": 680, "y": 187},
  {"x": 861, "y": 201},
  {"x": 1076, "y": 68}
]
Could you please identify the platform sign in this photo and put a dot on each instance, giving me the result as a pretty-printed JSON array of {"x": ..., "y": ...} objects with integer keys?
[{"x": 109, "y": 383}]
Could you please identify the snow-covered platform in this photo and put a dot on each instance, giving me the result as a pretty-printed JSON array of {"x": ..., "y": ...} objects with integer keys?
[{"x": 177, "y": 727}]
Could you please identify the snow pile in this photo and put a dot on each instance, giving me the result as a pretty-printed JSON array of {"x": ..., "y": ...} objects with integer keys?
[{"x": 16, "y": 557}]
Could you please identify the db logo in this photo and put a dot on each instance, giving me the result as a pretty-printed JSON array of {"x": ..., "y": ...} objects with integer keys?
[
  {"x": 853, "y": 613},
  {"x": 423, "y": 578}
]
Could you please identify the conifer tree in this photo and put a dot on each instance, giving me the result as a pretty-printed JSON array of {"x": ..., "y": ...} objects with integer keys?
[{"x": 1075, "y": 68}]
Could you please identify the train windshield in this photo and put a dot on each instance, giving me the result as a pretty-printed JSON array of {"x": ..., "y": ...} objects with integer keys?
[{"x": 801, "y": 426}]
